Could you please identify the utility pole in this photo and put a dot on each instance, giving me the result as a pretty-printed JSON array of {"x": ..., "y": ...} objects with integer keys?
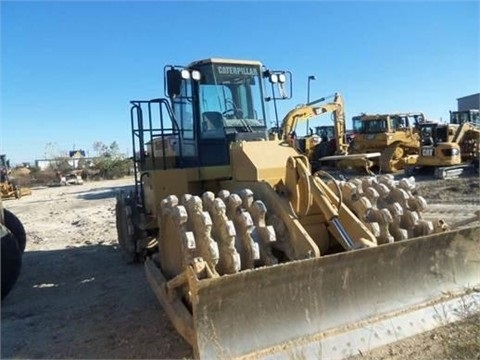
[{"x": 310, "y": 78}]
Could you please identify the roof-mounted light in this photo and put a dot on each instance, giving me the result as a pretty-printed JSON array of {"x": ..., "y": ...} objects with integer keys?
[
  {"x": 185, "y": 74},
  {"x": 196, "y": 75}
]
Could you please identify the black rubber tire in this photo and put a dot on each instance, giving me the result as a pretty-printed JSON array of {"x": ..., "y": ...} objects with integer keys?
[
  {"x": 16, "y": 228},
  {"x": 127, "y": 242},
  {"x": 11, "y": 263}
]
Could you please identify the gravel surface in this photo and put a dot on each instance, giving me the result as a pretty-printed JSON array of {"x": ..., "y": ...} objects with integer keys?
[{"x": 76, "y": 298}]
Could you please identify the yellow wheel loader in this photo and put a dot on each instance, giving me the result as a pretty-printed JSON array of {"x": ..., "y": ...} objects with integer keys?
[
  {"x": 251, "y": 255},
  {"x": 394, "y": 135},
  {"x": 8, "y": 187},
  {"x": 450, "y": 149}
]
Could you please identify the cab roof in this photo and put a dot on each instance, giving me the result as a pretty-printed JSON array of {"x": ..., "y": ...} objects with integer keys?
[{"x": 224, "y": 61}]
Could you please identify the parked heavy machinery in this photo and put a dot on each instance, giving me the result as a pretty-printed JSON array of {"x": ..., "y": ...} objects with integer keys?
[
  {"x": 394, "y": 135},
  {"x": 328, "y": 141},
  {"x": 325, "y": 138},
  {"x": 250, "y": 254},
  {"x": 460, "y": 117},
  {"x": 451, "y": 149},
  {"x": 13, "y": 238},
  {"x": 8, "y": 187}
]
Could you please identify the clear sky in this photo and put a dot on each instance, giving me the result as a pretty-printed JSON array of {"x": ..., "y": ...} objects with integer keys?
[{"x": 69, "y": 69}]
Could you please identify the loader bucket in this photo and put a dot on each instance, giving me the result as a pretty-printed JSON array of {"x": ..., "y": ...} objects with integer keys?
[{"x": 333, "y": 306}]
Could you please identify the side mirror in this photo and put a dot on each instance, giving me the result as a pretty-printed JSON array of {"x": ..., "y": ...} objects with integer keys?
[{"x": 174, "y": 82}]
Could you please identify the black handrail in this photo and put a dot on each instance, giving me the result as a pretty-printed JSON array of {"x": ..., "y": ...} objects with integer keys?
[{"x": 140, "y": 129}]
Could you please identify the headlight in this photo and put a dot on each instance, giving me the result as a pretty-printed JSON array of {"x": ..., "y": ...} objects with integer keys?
[
  {"x": 196, "y": 75},
  {"x": 185, "y": 74},
  {"x": 455, "y": 152},
  {"x": 282, "y": 78},
  {"x": 273, "y": 78}
]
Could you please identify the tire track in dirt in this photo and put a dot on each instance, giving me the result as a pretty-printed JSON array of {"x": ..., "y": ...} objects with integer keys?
[{"x": 451, "y": 213}]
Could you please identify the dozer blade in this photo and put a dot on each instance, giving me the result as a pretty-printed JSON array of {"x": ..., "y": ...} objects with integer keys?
[
  {"x": 25, "y": 191},
  {"x": 333, "y": 306}
]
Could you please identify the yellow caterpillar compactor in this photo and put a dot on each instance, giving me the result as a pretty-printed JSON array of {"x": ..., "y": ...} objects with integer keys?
[{"x": 253, "y": 256}]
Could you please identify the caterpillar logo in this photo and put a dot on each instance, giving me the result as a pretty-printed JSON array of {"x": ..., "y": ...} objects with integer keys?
[{"x": 237, "y": 70}]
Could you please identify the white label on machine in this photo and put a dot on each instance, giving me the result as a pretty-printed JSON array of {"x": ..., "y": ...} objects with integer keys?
[{"x": 427, "y": 151}]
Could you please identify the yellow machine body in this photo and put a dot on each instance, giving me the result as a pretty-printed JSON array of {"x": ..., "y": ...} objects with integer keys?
[
  {"x": 8, "y": 188},
  {"x": 449, "y": 148},
  {"x": 394, "y": 135},
  {"x": 253, "y": 256},
  {"x": 323, "y": 301}
]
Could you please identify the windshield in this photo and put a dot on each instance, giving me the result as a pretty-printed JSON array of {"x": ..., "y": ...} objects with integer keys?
[
  {"x": 427, "y": 135},
  {"x": 231, "y": 97},
  {"x": 369, "y": 126},
  {"x": 460, "y": 117},
  {"x": 325, "y": 132},
  {"x": 475, "y": 117},
  {"x": 433, "y": 134}
]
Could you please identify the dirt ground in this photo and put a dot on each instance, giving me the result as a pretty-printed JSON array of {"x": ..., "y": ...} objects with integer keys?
[{"x": 76, "y": 298}]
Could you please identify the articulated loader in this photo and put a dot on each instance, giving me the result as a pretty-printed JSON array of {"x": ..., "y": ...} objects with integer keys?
[{"x": 251, "y": 255}]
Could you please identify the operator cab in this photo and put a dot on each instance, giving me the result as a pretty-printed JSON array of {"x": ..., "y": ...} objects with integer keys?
[
  {"x": 226, "y": 101},
  {"x": 433, "y": 133},
  {"x": 461, "y": 117},
  {"x": 376, "y": 124},
  {"x": 210, "y": 104},
  {"x": 325, "y": 132}
]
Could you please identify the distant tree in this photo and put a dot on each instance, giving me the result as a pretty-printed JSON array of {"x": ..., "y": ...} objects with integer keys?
[
  {"x": 109, "y": 162},
  {"x": 51, "y": 150},
  {"x": 102, "y": 150},
  {"x": 61, "y": 164},
  {"x": 34, "y": 170}
]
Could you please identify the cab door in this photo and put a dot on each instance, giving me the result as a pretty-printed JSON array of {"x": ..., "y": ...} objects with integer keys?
[{"x": 213, "y": 144}]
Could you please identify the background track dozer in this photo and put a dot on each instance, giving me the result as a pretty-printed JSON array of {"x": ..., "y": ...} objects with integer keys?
[
  {"x": 394, "y": 135},
  {"x": 252, "y": 256}
]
